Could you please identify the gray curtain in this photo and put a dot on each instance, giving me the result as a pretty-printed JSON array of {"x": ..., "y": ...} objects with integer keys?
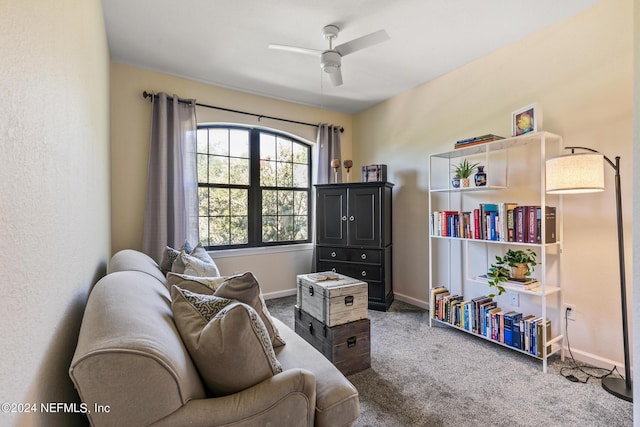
[
  {"x": 328, "y": 140},
  {"x": 171, "y": 210}
]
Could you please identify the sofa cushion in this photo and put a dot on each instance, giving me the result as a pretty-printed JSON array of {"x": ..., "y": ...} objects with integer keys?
[
  {"x": 197, "y": 284},
  {"x": 198, "y": 263},
  {"x": 170, "y": 255},
  {"x": 226, "y": 339},
  {"x": 245, "y": 288}
]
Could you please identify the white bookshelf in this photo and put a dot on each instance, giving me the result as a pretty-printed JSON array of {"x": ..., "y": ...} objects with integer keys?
[{"x": 515, "y": 170}]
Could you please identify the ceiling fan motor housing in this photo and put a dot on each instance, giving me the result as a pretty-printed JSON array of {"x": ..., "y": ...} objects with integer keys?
[{"x": 330, "y": 61}]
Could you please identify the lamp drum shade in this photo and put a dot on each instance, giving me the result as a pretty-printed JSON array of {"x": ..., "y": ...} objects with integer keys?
[{"x": 575, "y": 173}]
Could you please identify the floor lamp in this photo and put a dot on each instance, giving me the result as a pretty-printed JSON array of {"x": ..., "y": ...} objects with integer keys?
[{"x": 584, "y": 173}]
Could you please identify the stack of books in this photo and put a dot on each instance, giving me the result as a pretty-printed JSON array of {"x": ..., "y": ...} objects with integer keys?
[{"x": 477, "y": 140}]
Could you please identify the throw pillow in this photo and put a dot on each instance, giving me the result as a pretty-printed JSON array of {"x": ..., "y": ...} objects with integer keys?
[
  {"x": 170, "y": 255},
  {"x": 200, "y": 285},
  {"x": 226, "y": 339},
  {"x": 193, "y": 266},
  {"x": 245, "y": 288}
]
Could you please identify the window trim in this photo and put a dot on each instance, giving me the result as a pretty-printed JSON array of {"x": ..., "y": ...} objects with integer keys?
[{"x": 254, "y": 220}]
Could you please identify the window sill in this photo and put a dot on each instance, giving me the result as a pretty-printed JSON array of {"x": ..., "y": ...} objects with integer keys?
[{"x": 228, "y": 253}]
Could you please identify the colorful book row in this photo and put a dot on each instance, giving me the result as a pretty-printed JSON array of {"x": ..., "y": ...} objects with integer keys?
[
  {"x": 482, "y": 316},
  {"x": 503, "y": 222}
]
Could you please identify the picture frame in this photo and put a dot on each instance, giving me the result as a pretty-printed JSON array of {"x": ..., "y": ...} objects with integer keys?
[{"x": 526, "y": 120}]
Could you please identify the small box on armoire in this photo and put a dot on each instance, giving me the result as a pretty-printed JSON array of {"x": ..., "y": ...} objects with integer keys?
[{"x": 374, "y": 173}]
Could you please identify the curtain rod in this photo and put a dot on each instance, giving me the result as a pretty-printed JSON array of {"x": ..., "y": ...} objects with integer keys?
[{"x": 146, "y": 94}]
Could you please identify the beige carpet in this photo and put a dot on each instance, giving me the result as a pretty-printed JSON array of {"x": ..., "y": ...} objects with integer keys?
[{"x": 439, "y": 376}]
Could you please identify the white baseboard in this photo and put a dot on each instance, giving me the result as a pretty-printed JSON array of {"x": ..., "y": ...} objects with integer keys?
[
  {"x": 280, "y": 294},
  {"x": 594, "y": 360},
  {"x": 411, "y": 300}
]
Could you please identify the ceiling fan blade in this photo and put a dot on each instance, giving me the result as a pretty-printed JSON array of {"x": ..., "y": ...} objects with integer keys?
[
  {"x": 336, "y": 78},
  {"x": 296, "y": 49},
  {"x": 362, "y": 42}
]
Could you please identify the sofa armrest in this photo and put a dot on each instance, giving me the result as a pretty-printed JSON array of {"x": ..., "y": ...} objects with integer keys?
[{"x": 286, "y": 399}]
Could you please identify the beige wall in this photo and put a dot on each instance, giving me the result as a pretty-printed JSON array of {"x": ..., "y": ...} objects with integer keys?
[
  {"x": 635, "y": 280},
  {"x": 130, "y": 121},
  {"x": 54, "y": 198},
  {"x": 580, "y": 71}
]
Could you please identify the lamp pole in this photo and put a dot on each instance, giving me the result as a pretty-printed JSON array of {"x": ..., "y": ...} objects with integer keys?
[{"x": 617, "y": 386}]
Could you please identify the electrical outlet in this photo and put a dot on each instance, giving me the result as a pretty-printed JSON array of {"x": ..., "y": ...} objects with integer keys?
[
  {"x": 570, "y": 311},
  {"x": 514, "y": 299}
]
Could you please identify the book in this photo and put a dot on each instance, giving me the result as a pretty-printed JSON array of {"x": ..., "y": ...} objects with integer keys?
[
  {"x": 550, "y": 224},
  {"x": 475, "y": 310},
  {"x": 520, "y": 224},
  {"x": 432, "y": 302},
  {"x": 539, "y": 337},
  {"x": 532, "y": 224},
  {"x": 477, "y": 140},
  {"x": 525, "y": 332},
  {"x": 323, "y": 276},
  {"x": 511, "y": 229},
  {"x": 503, "y": 209},
  {"x": 522, "y": 284}
]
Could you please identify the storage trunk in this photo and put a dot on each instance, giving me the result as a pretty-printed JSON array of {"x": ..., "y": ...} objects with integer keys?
[
  {"x": 333, "y": 302},
  {"x": 347, "y": 346}
]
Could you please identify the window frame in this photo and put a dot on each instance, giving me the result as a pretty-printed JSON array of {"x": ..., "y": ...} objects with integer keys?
[{"x": 254, "y": 188}]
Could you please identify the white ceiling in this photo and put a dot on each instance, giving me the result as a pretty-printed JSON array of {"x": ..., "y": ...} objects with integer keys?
[{"x": 224, "y": 42}]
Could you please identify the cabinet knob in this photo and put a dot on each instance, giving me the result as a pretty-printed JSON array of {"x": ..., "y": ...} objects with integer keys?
[
  {"x": 363, "y": 256},
  {"x": 344, "y": 218},
  {"x": 351, "y": 218},
  {"x": 333, "y": 254},
  {"x": 363, "y": 274}
]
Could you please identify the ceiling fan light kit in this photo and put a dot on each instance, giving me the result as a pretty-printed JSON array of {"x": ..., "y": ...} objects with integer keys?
[{"x": 331, "y": 59}]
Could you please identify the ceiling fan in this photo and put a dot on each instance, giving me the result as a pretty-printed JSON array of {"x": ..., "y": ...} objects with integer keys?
[{"x": 331, "y": 59}]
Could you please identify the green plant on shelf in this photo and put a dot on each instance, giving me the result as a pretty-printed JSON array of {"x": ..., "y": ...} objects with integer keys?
[
  {"x": 465, "y": 168},
  {"x": 514, "y": 265}
]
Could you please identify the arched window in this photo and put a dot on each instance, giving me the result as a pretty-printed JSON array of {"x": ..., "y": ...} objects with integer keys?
[{"x": 254, "y": 187}]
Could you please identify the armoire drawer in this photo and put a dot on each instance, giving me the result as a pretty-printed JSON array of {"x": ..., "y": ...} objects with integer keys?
[
  {"x": 369, "y": 256},
  {"x": 363, "y": 272}
]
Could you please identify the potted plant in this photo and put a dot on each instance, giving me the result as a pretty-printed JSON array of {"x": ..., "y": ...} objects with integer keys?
[
  {"x": 514, "y": 265},
  {"x": 464, "y": 170}
]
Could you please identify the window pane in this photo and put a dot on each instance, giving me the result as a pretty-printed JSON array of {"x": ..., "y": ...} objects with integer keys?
[
  {"x": 219, "y": 202},
  {"x": 301, "y": 201},
  {"x": 203, "y": 202},
  {"x": 300, "y": 153},
  {"x": 239, "y": 202},
  {"x": 202, "y": 141},
  {"x": 269, "y": 202},
  {"x": 203, "y": 172},
  {"x": 203, "y": 226},
  {"x": 267, "y": 146},
  {"x": 301, "y": 228},
  {"x": 219, "y": 142},
  {"x": 239, "y": 233},
  {"x": 284, "y": 149},
  {"x": 239, "y": 171},
  {"x": 285, "y": 202},
  {"x": 239, "y": 143},
  {"x": 300, "y": 175},
  {"x": 269, "y": 229},
  {"x": 218, "y": 170},
  {"x": 285, "y": 228},
  {"x": 219, "y": 230},
  {"x": 284, "y": 175},
  {"x": 267, "y": 173}
]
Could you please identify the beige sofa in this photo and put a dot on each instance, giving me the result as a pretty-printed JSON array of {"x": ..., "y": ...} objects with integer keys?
[{"x": 131, "y": 367}]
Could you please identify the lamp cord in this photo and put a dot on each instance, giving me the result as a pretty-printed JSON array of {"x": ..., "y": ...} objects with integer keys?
[{"x": 568, "y": 371}]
